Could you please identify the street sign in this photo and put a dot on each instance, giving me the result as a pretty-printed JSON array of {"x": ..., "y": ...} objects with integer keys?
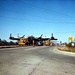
[{"x": 70, "y": 38}]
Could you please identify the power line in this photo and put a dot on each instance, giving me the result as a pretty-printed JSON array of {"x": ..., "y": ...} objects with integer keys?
[
  {"x": 66, "y": 32},
  {"x": 37, "y": 20},
  {"x": 39, "y": 16},
  {"x": 46, "y": 10},
  {"x": 23, "y": 3},
  {"x": 23, "y": 13}
]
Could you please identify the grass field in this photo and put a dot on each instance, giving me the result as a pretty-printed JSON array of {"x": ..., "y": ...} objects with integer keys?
[{"x": 65, "y": 48}]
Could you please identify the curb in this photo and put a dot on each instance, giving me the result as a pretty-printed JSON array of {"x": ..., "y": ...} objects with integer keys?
[{"x": 64, "y": 52}]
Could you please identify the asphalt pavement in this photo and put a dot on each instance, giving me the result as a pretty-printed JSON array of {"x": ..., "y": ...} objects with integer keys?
[{"x": 38, "y": 60}]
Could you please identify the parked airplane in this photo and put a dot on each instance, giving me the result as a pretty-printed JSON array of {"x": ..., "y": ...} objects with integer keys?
[
  {"x": 29, "y": 40},
  {"x": 40, "y": 41}
]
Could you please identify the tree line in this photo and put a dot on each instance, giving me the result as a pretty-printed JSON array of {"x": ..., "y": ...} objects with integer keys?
[{"x": 5, "y": 43}]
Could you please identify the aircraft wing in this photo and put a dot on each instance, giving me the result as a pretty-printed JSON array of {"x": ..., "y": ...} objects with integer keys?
[
  {"x": 12, "y": 38},
  {"x": 44, "y": 39}
]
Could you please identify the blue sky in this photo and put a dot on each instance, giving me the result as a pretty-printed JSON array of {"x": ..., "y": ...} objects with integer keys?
[{"x": 36, "y": 17}]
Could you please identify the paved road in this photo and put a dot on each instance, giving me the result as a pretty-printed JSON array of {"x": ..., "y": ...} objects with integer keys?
[{"x": 35, "y": 61}]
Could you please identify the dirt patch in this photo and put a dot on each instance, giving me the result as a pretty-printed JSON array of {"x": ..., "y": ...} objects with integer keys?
[{"x": 65, "y": 48}]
